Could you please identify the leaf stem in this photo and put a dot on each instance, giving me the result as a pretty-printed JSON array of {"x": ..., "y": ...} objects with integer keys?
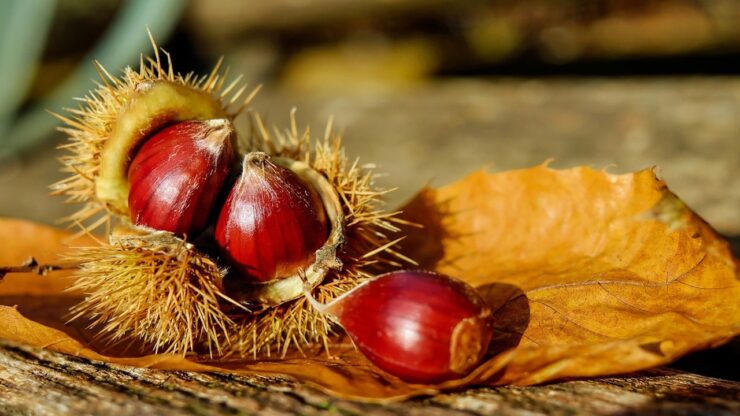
[{"x": 33, "y": 266}]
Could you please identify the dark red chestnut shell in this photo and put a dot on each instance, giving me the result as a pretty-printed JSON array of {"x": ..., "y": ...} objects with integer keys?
[
  {"x": 272, "y": 222},
  {"x": 420, "y": 326},
  {"x": 177, "y": 174}
]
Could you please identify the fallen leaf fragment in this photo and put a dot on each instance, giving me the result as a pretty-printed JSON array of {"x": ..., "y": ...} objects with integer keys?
[{"x": 587, "y": 273}]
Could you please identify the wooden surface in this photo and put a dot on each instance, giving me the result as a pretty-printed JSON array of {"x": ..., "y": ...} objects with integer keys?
[{"x": 38, "y": 382}]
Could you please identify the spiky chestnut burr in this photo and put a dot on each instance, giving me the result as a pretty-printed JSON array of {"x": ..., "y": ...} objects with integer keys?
[
  {"x": 177, "y": 174},
  {"x": 105, "y": 132},
  {"x": 420, "y": 326},
  {"x": 154, "y": 287},
  {"x": 143, "y": 283}
]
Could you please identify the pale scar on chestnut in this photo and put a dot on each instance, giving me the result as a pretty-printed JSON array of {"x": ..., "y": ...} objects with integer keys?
[{"x": 467, "y": 342}]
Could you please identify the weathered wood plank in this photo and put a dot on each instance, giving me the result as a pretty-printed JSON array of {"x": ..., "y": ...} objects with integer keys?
[{"x": 39, "y": 382}]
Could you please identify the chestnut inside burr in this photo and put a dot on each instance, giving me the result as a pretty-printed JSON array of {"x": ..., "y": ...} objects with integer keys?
[
  {"x": 177, "y": 175},
  {"x": 158, "y": 104},
  {"x": 281, "y": 224},
  {"x": 271, "y": 224}
]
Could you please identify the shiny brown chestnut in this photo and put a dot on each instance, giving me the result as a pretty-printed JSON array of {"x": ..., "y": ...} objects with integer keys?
[
  {"x": 420, "y": 326},
  {"x": 272, "y": 222},
  {"x": 178, "y": 173}
]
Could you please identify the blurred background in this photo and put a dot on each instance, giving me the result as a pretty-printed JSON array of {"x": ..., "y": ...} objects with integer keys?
[{"x": 429, "y": 90}]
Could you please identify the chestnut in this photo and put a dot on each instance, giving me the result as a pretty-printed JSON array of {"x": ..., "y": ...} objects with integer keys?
[
  {"x": 272, "y": 222},
  {"x": 420, "y": 326},
  {"x": 177, "y": 174}
]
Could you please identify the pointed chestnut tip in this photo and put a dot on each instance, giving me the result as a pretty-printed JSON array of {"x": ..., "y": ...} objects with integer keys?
[
  {"x": 256, "y": 159},
  {"x": 217, "y": 132},
  {"x": 219, "y": 126},
  {"x": 257, "y": 163},
  {"x": 218, "y": 122}
]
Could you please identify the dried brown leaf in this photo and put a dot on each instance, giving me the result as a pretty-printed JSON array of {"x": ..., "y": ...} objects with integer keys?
[{"x": 588, "y": 274}]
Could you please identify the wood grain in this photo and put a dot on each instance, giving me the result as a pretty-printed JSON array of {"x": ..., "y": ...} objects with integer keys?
[{"x": 39, "y": 382}]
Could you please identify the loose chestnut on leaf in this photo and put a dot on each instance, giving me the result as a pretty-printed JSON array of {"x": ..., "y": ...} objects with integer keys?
[
  {"x": 177, "y": 174},
  {"x": 420, "y": 326}
]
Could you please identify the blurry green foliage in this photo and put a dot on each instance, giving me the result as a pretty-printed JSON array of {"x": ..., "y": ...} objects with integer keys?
[{"x": 24, "y": 29}]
